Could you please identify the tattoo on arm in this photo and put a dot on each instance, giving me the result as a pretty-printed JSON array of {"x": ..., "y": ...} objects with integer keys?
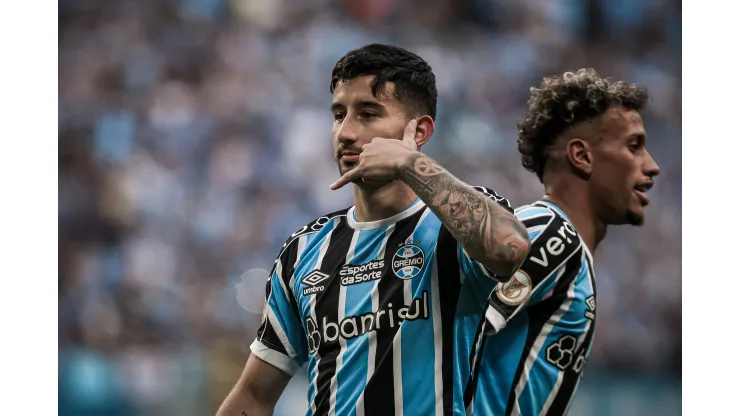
[{"x": 483, "y": 227}]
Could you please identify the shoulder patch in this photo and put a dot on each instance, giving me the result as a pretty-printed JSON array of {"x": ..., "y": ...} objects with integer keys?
[{"x": 517, "y": 290}]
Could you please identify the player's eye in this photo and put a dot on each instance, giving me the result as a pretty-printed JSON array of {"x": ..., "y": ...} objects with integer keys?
[
  {"x": 633, "y": 146},
  {"x": 338, "y": 116},
  {"x": 367, "y": 114}
]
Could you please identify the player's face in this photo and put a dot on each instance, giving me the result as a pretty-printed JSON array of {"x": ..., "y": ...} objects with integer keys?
[
  {"x": 623, "y": 169},
  {"x": 359, "y": 117}
]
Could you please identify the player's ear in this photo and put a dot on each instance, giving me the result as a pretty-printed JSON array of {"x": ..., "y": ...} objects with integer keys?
[
  {"x": 578, "y": 152},
  {"x": 424, "y": 130}
]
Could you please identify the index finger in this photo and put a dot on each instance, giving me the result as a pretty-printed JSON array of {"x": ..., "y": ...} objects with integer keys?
[{"x": 348, "y": 177}]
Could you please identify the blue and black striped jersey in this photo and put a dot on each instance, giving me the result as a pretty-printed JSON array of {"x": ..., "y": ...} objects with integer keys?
[
  {"x": 539, "y": 325},
  {"x": 386, "y": 313}
]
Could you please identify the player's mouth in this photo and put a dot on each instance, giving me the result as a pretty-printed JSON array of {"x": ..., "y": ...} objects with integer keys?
[
  {"x": 350, "y": 157},
  {"x": 641, "y": 189}
]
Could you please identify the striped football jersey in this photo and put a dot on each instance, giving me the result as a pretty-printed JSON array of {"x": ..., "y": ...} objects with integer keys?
[
  {"x": 539, "y": 326},
  {"x": 385, "y": 313}
]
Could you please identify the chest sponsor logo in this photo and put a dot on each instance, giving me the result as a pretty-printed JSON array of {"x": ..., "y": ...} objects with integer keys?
[
  {"x": 565, "y": 353},
  {"x": 353, "y": 274},
  {"x": 327, "y": 331}
]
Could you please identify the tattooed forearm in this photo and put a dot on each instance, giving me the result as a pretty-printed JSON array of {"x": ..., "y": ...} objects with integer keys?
[{"x": 486, "y": 231}]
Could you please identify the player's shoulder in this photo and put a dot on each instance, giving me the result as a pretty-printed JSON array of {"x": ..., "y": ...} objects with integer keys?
[
  {"x": 495, "y": 196},
  {"x": 534, "y": 210},
  {"x": 318, "y": 224},
  {"x": 539, "y": 215},
  {"x": 550, "y": 231},
  {"x": 314, "y": 226}
]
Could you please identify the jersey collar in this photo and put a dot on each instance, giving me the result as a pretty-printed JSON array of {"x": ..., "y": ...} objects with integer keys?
[
  {"x": 412, "y": 209},
  {"x": 555, "y": 208}
]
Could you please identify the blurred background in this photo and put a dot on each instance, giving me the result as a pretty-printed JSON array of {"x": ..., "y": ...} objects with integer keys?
[{"x": 194, "y": 137}]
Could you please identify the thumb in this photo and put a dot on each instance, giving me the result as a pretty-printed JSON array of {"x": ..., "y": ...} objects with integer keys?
[{"x": 409, "y": 135}]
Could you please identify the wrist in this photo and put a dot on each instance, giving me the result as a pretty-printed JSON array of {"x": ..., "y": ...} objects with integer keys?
[{"x": 406, "y": 162}]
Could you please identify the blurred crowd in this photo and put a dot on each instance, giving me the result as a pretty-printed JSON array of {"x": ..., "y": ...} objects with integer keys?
[{"x": 195, "y": 136}]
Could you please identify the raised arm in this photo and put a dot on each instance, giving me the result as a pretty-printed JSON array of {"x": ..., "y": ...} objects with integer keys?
[{"x": 487, "y": 231}]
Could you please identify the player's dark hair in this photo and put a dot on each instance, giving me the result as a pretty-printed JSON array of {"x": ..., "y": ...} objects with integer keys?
[
  {"x": 564, "y": 101},
  {"x": 415, "y": 83}
]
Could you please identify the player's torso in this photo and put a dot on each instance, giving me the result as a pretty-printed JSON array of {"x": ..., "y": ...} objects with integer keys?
[
  {"x": 539, "y": 359},
  {"x": 371, "y": 303},
  {"x": 533, "y": 365},
  {"x": 347, "y": 281}
]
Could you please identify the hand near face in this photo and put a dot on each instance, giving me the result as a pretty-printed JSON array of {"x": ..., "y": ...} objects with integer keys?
[{"x": 381, "y": 159}]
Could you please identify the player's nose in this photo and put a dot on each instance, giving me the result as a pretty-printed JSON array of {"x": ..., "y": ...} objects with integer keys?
[
  {"x": 348, "y": 131},
  {"x": 650, "y": 166}
]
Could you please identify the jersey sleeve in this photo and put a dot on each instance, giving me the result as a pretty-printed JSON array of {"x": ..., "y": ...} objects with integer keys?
[
  {"x": 472, "y": 268},
  {"x": 281, "y": 339},
  {"x": 555, "y": 252}
]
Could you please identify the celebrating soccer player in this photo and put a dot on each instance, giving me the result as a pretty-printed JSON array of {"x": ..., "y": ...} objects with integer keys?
[
  {"x": 584, "y": 138},
  {"x": 384, "y": 299}
]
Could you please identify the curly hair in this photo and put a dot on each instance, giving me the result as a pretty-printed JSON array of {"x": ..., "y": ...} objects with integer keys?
[
  {"x": 565, "y": 101},
  {"x": 415, "y": 82}
]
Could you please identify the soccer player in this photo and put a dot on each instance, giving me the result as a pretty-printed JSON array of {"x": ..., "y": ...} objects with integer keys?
[
  {"x": 384, "y": 299},
  {"x": 584, "y": 138}
]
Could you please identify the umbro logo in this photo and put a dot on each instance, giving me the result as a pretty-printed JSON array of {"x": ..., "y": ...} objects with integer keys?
[
  {"x": 591, "y": 303},
  {"x": 315, "y": 277},
  {"x": 313, "y": 282}
]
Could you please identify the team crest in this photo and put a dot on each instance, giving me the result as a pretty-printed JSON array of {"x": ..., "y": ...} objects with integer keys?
[
  {"x": 408, "y": 261},
  {"x": 517, "y": 290}
]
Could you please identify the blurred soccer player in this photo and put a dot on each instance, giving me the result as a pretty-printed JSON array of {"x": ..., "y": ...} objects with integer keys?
[
  {"x": 584, "y": 138},
  {"x": 383, "y": 299}
]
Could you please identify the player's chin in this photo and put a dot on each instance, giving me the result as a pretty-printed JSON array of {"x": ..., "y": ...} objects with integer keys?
[
  {"x": 345, "y": 167},
  {"x": 369, "y": 185},
  {"x": 635, "y": 216}
]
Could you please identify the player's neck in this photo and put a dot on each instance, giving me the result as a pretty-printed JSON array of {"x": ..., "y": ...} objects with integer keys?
[
  {"x": 380, "y": 203},
  {"x": 575, "y": 202}
]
